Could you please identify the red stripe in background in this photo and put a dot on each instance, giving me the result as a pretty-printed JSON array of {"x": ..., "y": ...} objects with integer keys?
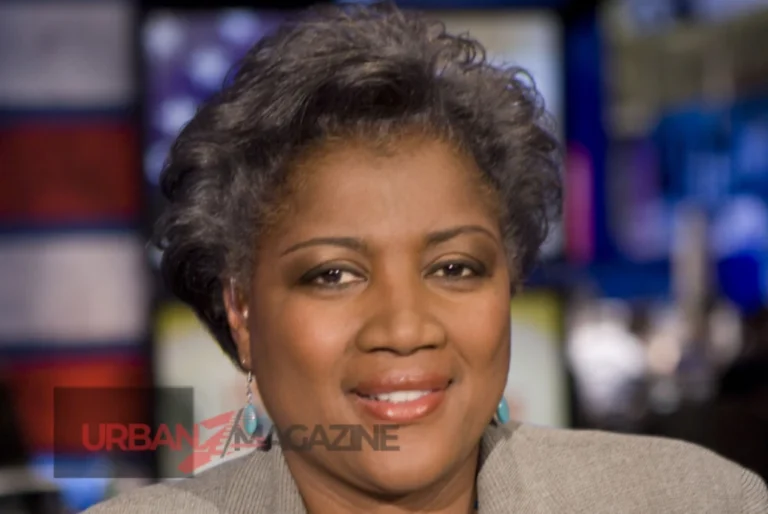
[
  {"x": 32, "y": 386},
  {"x": 69, "y": 173}
]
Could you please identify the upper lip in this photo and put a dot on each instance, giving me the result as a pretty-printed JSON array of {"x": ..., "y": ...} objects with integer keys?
[{"x": 392, "y": 382}]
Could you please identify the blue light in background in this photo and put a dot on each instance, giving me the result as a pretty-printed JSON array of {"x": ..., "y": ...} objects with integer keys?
[{"x": 77, "y": 494}]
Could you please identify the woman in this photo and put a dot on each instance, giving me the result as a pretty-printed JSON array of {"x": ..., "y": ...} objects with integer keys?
[{"x": 350, "y": 218}]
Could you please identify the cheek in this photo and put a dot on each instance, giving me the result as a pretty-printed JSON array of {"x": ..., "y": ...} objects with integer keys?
[
  {"x": 315, "y": 332},
  {"x": 298, "y": 346},
  {"x": 480, "y": 329}
]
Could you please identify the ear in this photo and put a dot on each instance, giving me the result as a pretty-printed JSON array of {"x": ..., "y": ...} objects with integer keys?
[{"x": 236, "y": 304}]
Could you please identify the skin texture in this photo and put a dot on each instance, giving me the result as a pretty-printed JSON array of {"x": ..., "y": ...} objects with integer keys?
[{"x": 310, "y": 333}]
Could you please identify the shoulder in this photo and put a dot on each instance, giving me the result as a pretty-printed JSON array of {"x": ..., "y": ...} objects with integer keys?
[
  {"x": 212, "y": 492},
  {"x": 155, "y": 499},
  {"x": 658, "y": 473}
]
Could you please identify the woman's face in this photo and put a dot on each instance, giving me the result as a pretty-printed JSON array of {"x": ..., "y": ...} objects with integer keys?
[{"x": 383, "y": 299}]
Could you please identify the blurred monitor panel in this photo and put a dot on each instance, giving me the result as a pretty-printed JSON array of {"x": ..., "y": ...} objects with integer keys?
[
  {"x": 715, "y": 160},
  {"x": 187, "y": 54},
  {"x": 703, "y": 156},
  {"x": 537, "y": 388}
]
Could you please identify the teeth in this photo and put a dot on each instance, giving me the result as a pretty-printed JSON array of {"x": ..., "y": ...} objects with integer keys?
[{"x": 401, "y": 396}]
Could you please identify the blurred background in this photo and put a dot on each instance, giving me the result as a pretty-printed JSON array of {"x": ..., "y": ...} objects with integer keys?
[{"x": 648, "y": 314}]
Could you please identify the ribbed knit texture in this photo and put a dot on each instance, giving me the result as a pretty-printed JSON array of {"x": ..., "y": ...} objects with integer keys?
[{"x": 524, "y": 469}]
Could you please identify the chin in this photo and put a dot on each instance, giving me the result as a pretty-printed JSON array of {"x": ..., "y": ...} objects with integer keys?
[{"x": 414, "y": 467}]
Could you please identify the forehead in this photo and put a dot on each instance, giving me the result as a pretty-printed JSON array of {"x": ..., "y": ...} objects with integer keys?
[{"x": 416, "y": 181}]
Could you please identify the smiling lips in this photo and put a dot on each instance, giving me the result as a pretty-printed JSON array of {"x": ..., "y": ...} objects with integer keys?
[{"x": 401, "y": 398}]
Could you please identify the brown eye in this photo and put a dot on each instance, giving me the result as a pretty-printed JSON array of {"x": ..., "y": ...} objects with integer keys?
[
  {"x": 332, "y": 277},
  {"x": 457, "y": 270}
]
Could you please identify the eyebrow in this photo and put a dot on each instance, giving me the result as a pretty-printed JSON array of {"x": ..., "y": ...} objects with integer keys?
[
  {"x": 436, "y": 238},
  {"x": 358, "y": 245},
  {"x": 347, "y": 242}
]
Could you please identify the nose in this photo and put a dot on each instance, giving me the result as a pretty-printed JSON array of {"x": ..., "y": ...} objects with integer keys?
[{"x": 400, "y": 318}]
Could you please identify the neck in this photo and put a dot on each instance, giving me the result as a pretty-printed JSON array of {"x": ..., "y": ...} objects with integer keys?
[{"x": 325, "y": 492}]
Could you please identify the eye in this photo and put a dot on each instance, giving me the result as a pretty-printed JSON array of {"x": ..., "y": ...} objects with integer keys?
[
  {"x": 332, "y": 277},
  {"x": 457, "y": 270}
]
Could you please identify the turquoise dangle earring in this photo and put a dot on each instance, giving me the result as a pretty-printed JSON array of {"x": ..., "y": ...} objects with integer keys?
[
  {"x": 250, "y": 416},
  {"x": 502, "y": 412}
]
